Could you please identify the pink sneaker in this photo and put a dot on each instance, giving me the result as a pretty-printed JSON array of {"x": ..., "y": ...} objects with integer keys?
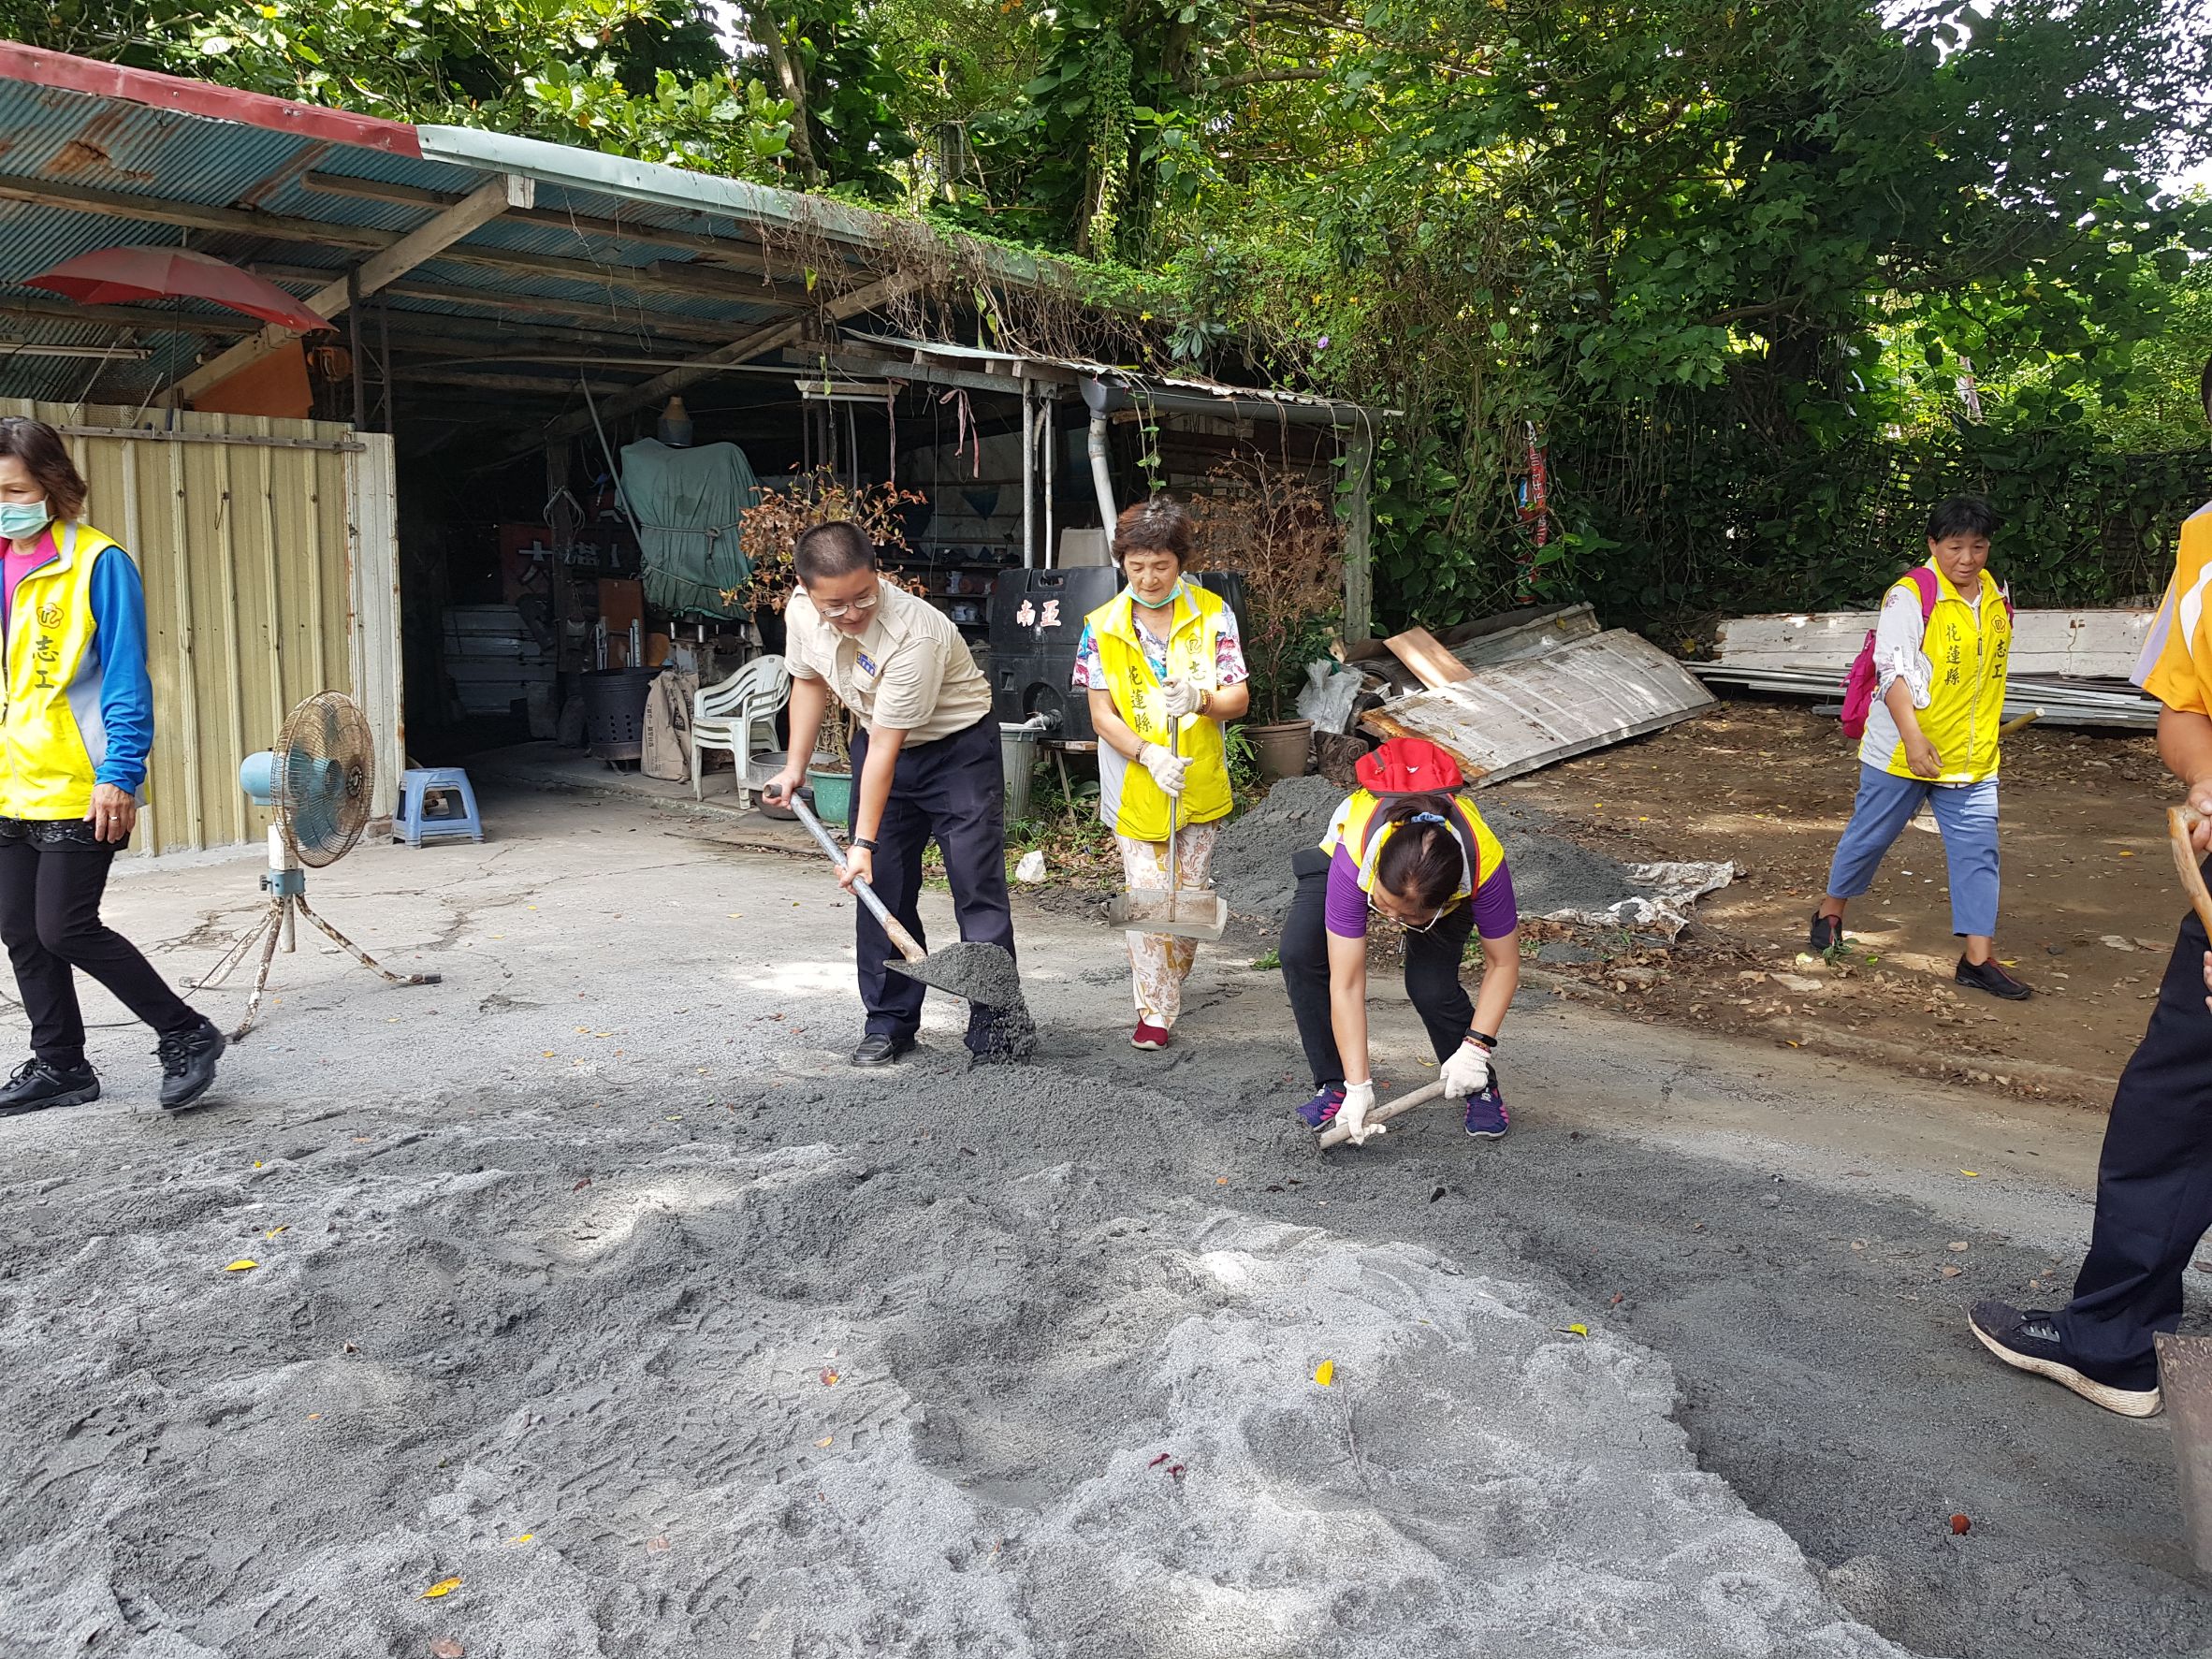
[{"x": 1150, "y": 1035}]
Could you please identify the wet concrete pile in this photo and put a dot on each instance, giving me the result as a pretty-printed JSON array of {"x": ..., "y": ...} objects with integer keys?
[{"x": 1551, "y": 874}]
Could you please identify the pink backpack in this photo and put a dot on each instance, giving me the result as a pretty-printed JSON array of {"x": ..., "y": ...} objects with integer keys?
[{"x": 1859, "y": 685}]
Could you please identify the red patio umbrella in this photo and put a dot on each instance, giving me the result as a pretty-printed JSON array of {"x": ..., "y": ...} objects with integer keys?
[{"x": 115, "y": 276}]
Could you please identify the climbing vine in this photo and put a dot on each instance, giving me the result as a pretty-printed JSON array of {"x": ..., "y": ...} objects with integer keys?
[{"x": 1111, "y": 109}]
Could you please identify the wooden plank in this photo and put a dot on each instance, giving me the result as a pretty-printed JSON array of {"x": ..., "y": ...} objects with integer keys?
[
  {"x": 1517, "y": 717},
  {"x": 1430, "y": 664}
]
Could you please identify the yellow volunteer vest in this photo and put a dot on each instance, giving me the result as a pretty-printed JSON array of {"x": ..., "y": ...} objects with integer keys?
[
  {"x": 1139, "y": 808},
  {"x": 1969, "y": 655},
  {"x": 1350, "y": 829},
  {"x": 44, "y": 769}
]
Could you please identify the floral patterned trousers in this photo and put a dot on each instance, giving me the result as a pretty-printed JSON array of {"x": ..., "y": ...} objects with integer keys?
[{"x": 1159, "y": 962}]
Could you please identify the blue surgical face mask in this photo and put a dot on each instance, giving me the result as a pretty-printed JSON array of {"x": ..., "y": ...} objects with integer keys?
[
  {"x": 1157, "y": 605},
  {"x": 21, "y": 520}
]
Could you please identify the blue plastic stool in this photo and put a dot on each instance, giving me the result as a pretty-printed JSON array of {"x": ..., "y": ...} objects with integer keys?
[{"x": 416, "y": 784}]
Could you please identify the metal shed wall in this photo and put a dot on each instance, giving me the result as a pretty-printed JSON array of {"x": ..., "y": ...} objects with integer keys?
[{"x": 271, "y": 573}]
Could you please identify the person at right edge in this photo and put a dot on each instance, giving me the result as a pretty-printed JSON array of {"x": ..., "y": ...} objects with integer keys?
[
  {"x": 75, "y": 733},
  {"x": 1941, "y": 645},
  {"x": 2154, "y": 1177}
]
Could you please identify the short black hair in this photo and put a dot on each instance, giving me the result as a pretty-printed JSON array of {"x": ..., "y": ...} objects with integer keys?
[
  {"x": 837, "y": 548},
  {"x": 1963, "y": 515}
]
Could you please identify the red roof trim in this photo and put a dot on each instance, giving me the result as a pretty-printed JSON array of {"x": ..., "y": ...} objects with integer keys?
[{"x": 202, "y": 98}]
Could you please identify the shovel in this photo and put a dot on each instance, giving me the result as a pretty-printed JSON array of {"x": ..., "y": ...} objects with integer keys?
[
  {"x": 981, "y": 973},
  {"x": 1186, "y": 913}
]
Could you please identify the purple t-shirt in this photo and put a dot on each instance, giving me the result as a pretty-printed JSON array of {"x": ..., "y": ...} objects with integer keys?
[{"x": 1346, "y": 908}]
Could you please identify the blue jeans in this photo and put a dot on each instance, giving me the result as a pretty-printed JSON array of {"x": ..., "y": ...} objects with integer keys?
[{"x": 1965, "y": 813}]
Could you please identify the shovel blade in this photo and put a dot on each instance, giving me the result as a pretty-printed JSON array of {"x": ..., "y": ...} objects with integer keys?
[
  {"x": 2185, "y": 1381},
  {"x": 1191, "y": 913}
]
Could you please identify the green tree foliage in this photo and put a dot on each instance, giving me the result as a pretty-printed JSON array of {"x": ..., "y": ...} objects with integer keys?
[{"x": 643, "y": 78}]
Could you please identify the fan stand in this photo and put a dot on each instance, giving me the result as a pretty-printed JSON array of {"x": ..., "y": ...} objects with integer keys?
[{"x": 285, "y": 883}]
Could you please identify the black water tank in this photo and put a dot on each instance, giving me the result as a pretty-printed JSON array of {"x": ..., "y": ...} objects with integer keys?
[{"x": 1036, "y": 624}]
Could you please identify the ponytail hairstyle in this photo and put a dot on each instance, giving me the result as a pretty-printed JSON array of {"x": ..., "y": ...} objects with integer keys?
[{"x": 1424, "y": 861}]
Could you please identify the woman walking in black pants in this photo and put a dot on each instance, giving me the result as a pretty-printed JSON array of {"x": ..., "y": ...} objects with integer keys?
[{"x": 75, "y": 733}]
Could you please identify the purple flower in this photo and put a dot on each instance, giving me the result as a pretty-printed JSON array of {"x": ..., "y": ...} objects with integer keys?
[{"x": 1322, "y": 342}]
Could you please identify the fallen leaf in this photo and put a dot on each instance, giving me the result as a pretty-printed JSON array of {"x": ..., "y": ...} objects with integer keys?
[
  {"x": 443, "y": 1587},
  {"x": 445, "y": 1647},
  {"x": 243, "y": 1264},
  {"x": 581, "y": 1184},
  {"x": 522, "y": 1538},
  {"x": 656, "y": 1545},
  {"x": 1959, "y": 1524},
  {"x": 1958, "y": 1246},
  {"x": 1619, "y": 1297},
  {"x": 824, "y": 1441},
  {"x": 1325, "y": 1373},
  {"x": 274, "y": 1230},
  {"x": 314, "y": 1417},
  {"x": 1575, "y": 1331},
  {"x": 829, "y": 1379},
  {"x": 1221, "y": 1180},
  {"x": 1951, "y": 1272},
  {"x": 1158, "y": 1460},
  {"x": 1972, "y": 1174}
]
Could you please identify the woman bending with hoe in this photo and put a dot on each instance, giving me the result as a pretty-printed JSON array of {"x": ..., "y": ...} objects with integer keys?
[
  {"x": 1407, "y": 847},
  {"x": 1163, "y": 667}
]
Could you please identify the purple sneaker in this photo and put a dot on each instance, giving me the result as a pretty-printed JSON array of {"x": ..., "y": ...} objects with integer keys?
[
  {"x": 1320, "y": 1112},
  {"x": 1486, "y": 1111}
]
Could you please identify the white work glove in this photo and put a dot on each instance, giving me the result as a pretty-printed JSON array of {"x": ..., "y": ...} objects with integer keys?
[
  {"x": 1166, "y": 770},
  {"x": 1179, "y": 697},
  {"x": 1359, "y": 1100},
  {"x": 1465, "y": 1072}
]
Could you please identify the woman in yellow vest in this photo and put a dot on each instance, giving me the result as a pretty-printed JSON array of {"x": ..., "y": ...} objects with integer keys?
[
  {"x": 75, "y": 730},
  {"x": 1406, "y": 846},
  {"x": 1163, "y": 667},
  {"x": 1940, "y": 653}
]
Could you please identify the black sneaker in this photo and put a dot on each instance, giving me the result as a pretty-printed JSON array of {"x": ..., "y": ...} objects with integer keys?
[
  {"x": 2030, "y": 1342},
  {"x": 1991, "y": 977},
  {"x": 188, "y": 1064},
  {"x": 1828, "y": 933},
  {"x": 37, "y": 1085}
]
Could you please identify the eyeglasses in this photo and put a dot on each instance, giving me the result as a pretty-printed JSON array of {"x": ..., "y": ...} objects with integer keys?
[
  {"x": 1409, "y": 926},
  {"x": 836, "y": 613}
]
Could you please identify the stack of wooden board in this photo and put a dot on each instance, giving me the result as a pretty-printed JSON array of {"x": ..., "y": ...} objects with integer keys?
[{"x": 2072, "y": 668}]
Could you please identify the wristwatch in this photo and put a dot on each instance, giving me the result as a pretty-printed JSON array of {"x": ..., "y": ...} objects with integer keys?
[{"x": 864, "y": 843}]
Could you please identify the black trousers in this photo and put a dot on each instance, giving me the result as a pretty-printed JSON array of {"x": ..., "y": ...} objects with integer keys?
[
  {"x": 954, "y": 791},
  {"x": 2154, "y": 1185},
  {"x": 1432, "y": 971},
  {"x": 50, "y": 917}
]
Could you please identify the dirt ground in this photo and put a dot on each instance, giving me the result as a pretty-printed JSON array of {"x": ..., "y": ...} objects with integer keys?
[{"x": 2089, "y": 904}]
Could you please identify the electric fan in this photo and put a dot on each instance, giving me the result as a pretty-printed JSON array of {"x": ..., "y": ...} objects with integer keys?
[{"x": 319, "y": 782}]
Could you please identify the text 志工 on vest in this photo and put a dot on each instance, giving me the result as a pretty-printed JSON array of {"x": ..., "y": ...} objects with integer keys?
[
  {"x": 1968, "y": 654},
  {"x": 1132, "y": 803},
  {"x": 53, "y": 734}
]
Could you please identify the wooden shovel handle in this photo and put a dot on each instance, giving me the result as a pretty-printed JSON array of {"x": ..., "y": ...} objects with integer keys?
[
  {"x": 2180, "y": 821},
  {"x": 1336, "y": 1136}
]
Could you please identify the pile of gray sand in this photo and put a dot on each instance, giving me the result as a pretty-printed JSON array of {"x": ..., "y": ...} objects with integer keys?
[
  {"x": 1551, "y": 873},
  {"x": 858, "y": 1393}
]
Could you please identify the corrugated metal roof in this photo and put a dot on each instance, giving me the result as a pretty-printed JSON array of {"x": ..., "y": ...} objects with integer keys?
[{"x": 194, "y": 146}]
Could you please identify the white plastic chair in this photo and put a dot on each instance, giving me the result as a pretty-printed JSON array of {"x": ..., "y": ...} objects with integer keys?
[{"x": 727, "y": 716}]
